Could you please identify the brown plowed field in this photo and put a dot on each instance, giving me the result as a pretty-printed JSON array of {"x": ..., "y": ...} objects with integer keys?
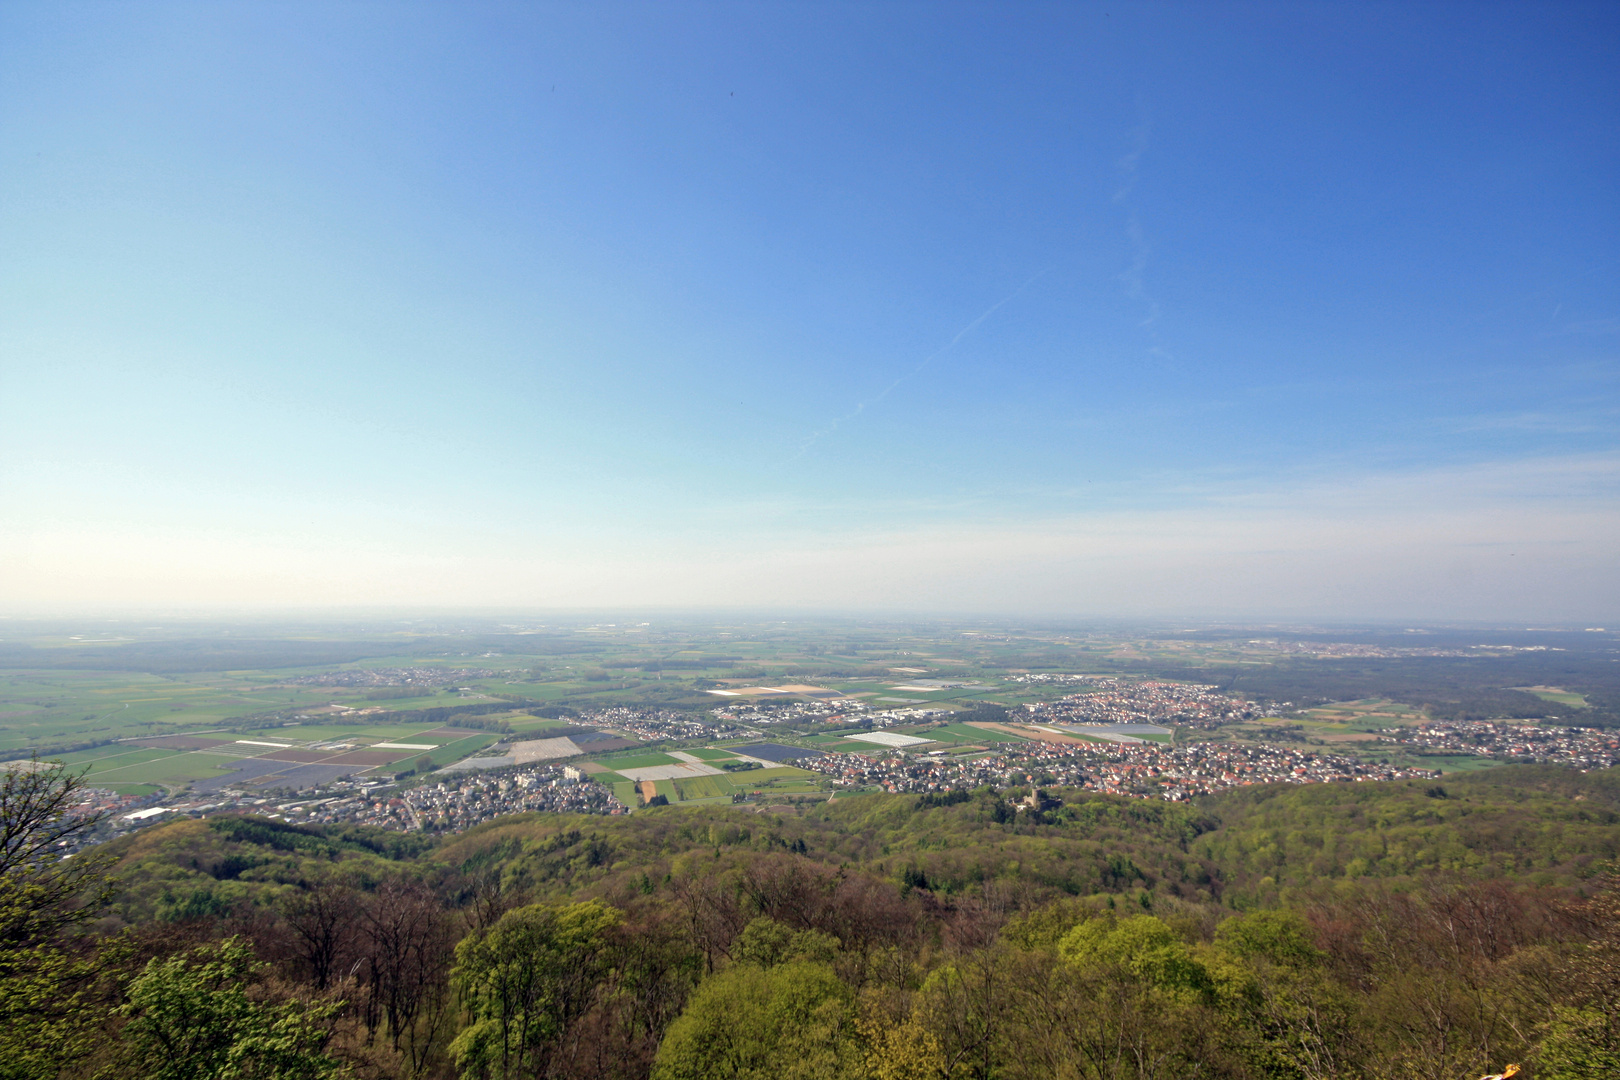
[
  {"x": 184, "y": 742},
  {"x": 1031, "y": 733},
  {"x": 305, "y": 756},
  {"x": 602, "y": 746},
  {"x": 367, "y": 757}
]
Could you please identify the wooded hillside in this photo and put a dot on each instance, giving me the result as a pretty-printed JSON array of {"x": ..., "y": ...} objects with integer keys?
[{"x": 1355, "y": 930}]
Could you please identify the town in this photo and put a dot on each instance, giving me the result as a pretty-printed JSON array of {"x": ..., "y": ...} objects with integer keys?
[
  {"x": 1581, "y": 748},
  {"x": 461, "y": 802},
  {"x": 1115, "y": 701},
  {"x": 394, "y": 677},
  {"x": 1143, "y": 770},
  {"x": 452, "y": 799}
]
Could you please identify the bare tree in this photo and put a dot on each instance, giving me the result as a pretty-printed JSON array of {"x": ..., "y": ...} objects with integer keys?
[
  {"x": 406, "y": 968},
  {"x": 714, "y": 914},
  {"x": 42, "y": 890},
  {"x": 486, "y": 900},
  {"x": 322, "y": 916}
]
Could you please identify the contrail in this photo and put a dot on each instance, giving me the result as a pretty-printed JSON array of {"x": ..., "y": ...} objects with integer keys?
[{"x": 924, "y": 362}]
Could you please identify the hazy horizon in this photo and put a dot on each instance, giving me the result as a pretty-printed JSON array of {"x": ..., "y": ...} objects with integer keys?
[{"x": 1254, "y": 312}]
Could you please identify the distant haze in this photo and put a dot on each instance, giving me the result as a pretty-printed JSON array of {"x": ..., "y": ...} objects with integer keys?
[{"x": 1117, "y": 310}]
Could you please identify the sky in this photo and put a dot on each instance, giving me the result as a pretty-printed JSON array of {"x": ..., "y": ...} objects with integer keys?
[{"x": 1205, "y": 310}]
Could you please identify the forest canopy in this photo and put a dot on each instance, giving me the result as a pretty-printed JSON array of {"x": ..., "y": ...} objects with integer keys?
[{"x": 1337, "y": 930}]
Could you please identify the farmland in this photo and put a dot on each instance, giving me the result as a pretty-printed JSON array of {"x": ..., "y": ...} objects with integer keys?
[{"x": 85, "y": 693}]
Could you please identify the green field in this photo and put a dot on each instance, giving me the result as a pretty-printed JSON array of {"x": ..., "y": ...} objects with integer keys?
[
  {"x": 973, "y": 734},
  {"x": 63, "y": 686},
  {"x": 1367, "y": 714},
  {"x": 132, "y": 789},
  {"x": 426, "y": 701},
  {"x": 704, "y": 787},
  {"x": 451, "y": 752},
  {"x": 358, "y": 733},
  {"x": 625, "y": 792},
  {"x": 100, "y": 753},
  {"x": 167, "y": 766},
  {"x": 1562, "y": 697},
  {"x": 1456, "y": 763},
  {"x": 773, "y": 778},
  {"x": 52, "y": 708},
  {"x": 711, "y": 754},
  {"x": 534, "y": 723},
  {"x": 130, "y": 755}
]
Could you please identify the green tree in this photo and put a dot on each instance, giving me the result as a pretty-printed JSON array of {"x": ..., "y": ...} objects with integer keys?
[
  {"x": 524, "y": 980},
  {"x": 766, "y": 942},
  {"x": 41, "y": 891},
  {"x": 793, "y": 1021},
  {"x": 1283, "y": 1012},
  {"x": 1582, "y": 1038},
  {"x": 191, "y": 1016},
  {"x": 1122, "y": 998},
  {"x": 1140, "y": 946},
  {"x": 45, "y": 1018}
]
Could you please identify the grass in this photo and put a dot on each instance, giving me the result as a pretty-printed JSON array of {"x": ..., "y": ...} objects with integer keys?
[
  {"x": 535, "y": 723},
  {"x": 973, "y": 734},
  {"x": 794, "y": 788},
  {"x": 102, "y": 753},
  {"x": 709, "y": 754},
  {"x": 53, "y": 707},
  {"x": 704, "y": 787},
  {"x": 130, "y": 756},
  {"x": 336, "y": 732},
  {"x": 754, "y": 777},
  {"x": 132, "y": 789},
  {"x": 426, "y": 701},
  {"x": 1562, "y": 697},
  {"x": 450, "y": 752},
  {"x": 1456, "y": 763},
  {"x": 171, "y": 767},
  {"x": 625, "y": 792},
  {"x": 1366, "y": 714}
]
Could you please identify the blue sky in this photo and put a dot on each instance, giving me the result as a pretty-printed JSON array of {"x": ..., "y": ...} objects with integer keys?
[{"x": 1115, "y": 309}]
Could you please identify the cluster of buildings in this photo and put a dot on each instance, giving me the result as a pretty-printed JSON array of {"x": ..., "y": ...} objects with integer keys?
[
  {"x": 101, "y": 801},
  {"x": 1580, "y": 748},
  {"x": 453, "y": 804},
  {"x": 1145, "y": 770},
  {"x": 462, "y": 802},
  {"x": 1331, "y": 649},
  {"x": 793, "y": 711},
  {"x": 837, "y": 710},
  {"x": 1052, "y": 678},
  {"x": 655, "y": 724},
  {"x": 411, "y": 676},
  {"x": 113, "y": 809},
  {"x": 1115, "y": 701}
]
